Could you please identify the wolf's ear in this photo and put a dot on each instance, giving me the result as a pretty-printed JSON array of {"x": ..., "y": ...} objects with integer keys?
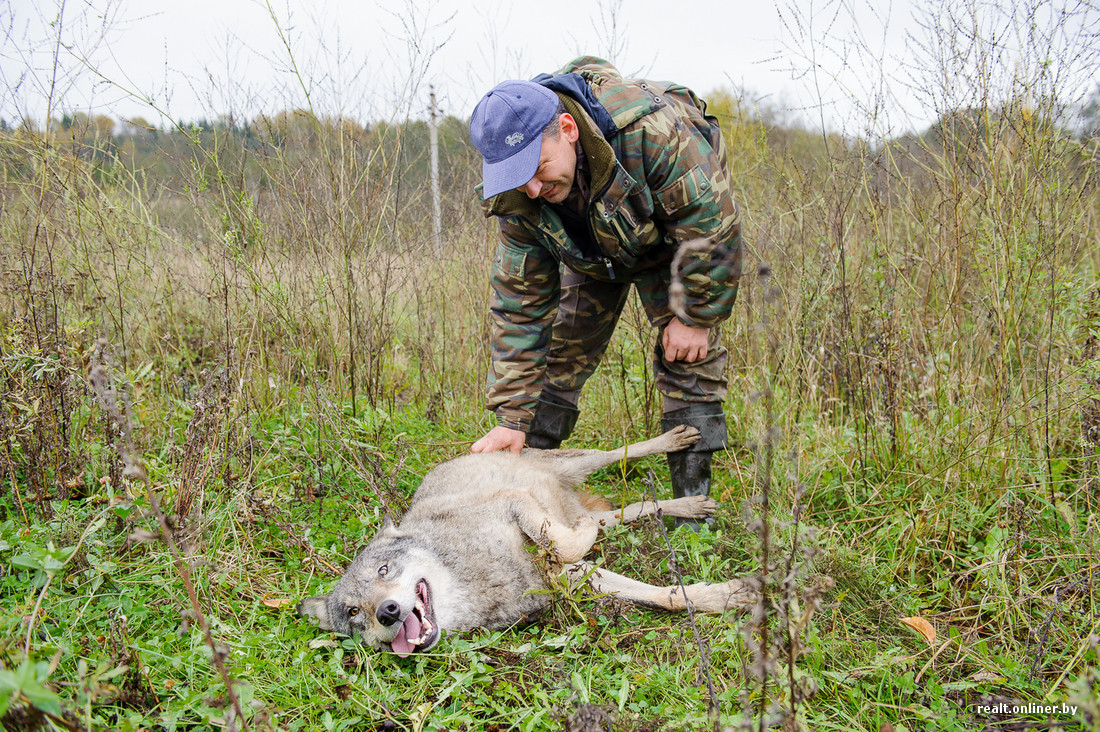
[
  {"x": 316, "y": 608},
  {"x": 387, "y": 523}
]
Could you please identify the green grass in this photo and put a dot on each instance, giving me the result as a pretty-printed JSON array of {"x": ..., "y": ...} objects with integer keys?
[{"x": 115, "y": 645}]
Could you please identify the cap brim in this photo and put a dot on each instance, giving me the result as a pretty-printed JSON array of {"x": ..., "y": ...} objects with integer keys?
[{"x": 512, "y": 172}]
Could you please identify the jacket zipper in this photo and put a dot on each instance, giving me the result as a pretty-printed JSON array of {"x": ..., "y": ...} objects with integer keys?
[{"x": 592, "y": 229}]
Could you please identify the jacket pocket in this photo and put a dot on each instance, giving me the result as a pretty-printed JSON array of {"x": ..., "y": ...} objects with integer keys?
[
  {"x": 522, "y": 283},
  {"x": 688, "y": 207},
  {"x": 682, "y": 192}
]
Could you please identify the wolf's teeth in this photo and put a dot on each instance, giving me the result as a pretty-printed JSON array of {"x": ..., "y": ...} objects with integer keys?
[{"x": 426, "y": 630}]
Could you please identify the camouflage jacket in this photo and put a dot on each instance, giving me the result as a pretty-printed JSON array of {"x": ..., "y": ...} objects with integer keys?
[{"x": 659, "y": 177}]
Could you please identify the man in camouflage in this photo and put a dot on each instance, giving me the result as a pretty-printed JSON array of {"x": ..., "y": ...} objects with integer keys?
[{"x": 596, "y": 181}]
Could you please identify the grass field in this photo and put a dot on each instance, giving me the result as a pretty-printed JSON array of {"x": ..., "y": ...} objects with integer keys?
[{"x": 117, "y": 643}]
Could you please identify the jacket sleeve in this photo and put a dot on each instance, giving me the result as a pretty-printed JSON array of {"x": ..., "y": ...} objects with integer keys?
[
  {"x": 522, "y": 307},
  {"x": 686, "y": 169}
]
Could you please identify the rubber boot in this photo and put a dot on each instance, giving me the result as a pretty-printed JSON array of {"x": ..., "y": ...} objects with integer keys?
[
  {"x": 554, "y": 421},
  {"x": 690, "y": 468}
]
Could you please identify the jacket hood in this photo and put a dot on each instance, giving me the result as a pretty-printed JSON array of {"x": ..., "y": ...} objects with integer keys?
[{"x": 575, "y": 86}]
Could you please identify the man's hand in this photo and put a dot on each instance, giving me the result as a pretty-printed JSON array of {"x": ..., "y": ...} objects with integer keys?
[
  {"x": 684, "y": 343},
  {"x": 500, "y": 438}
]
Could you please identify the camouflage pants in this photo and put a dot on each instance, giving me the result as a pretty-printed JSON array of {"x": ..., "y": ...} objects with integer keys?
[{"x": 587, "y": 314}]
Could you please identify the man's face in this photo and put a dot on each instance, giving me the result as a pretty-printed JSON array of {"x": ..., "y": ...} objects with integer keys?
[{"x": 557, "y": 164}]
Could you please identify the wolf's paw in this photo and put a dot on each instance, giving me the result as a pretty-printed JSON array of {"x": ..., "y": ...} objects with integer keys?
[
  {"x": 704, "y": 506},
  {"x": 722, "y": 597},
  {"x": 692, "y": 507},
  {"x": 680, "y": 437}
]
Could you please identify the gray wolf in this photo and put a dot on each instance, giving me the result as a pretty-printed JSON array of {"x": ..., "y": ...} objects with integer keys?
[{"x": 460, "y": 557}]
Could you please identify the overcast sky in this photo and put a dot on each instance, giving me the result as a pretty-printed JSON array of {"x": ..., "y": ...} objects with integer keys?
[{"x": 826, "y": 62}]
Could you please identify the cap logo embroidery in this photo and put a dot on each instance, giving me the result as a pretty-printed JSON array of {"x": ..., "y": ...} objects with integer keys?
[{"x": 514, "y": 139}]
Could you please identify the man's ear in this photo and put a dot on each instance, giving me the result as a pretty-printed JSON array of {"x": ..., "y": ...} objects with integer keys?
[
  {"x": 316, "y": 608},
  {"x": 568, "y": 127}
]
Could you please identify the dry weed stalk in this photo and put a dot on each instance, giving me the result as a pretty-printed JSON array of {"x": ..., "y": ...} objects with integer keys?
[
  {"x": 714, "y": 707},
  {"x": 206, "y": 436},
  {"x": 134, "y": 471},
  {"x": 789, "y": 596}
]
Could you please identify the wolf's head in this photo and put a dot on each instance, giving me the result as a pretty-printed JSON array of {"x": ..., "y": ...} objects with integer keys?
[{"x": 385, "y": 596}]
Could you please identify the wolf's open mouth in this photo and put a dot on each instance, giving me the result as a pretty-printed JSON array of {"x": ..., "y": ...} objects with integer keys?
[{"x": 419, "y": 631}]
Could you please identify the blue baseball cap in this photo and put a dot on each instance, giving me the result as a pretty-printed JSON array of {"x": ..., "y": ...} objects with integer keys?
[{"x": 506, "y": 128}]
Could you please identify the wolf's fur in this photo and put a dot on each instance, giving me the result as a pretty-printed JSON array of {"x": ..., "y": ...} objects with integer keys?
[{"x": 460, "y": 558}]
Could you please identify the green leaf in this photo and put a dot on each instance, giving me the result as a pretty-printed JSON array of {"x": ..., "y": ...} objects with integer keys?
[
  {"x": 580, "y": 687},
  {"x": 27, "y": 681},
  {"x": 5, "y": 702},
  {"x": 26, "y": 561},
  {"x": 113, "y": 673},
  {"x": 44, "y": 699},
  {"x": 624, "y": 692}
]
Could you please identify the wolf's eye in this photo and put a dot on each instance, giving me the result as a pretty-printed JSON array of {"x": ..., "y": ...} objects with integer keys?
[
  {"x": 383, "y": 570},
  {"x": 352, "y": 612}
]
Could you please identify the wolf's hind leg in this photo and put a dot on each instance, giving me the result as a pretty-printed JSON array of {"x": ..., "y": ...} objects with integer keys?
[
  {"x": 573, "y": 466},
  {"x": 704, "y": 596},
  {"x": 694, "y": 507}
]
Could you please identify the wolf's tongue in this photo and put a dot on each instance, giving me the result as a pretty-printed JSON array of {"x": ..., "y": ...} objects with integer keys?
[{"x": 410, "y": 629}]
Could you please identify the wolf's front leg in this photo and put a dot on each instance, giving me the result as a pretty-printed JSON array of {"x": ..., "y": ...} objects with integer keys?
[{"x": 567, "y": 542}]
